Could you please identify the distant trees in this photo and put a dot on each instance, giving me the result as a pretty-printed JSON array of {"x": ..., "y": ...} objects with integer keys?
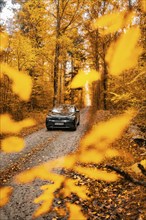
[
  {"x": 128, "y": 89},
  {"x": 52, "y": 39},
  {"x": 67, "y": 16},
  {"x": 111, "y": 92}
]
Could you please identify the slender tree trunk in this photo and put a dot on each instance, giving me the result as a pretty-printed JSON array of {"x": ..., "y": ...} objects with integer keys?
[
  {"x": 97, "y": 69},
  {"x": 130, "y": 4},
  {"x": 63, "y": 82},
  {"x": 57, "y": 51},
  {"x": 72, "y": 70},
  {"x": 104, "y": 80},
  {"x": 96, "y": 85},
  {"x": 96, "y": 51}
]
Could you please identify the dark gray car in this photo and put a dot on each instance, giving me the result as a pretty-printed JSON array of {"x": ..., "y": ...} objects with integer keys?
[{"x": 64, "y": 117}]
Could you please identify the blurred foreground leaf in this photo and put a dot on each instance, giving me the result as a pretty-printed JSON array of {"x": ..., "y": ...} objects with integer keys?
[{"x": 5, "y": 193}]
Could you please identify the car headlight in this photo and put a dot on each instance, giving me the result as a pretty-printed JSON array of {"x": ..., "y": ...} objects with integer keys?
[
  {"x": 48, "y": 117},
  {"x": 72, "y": 117}
]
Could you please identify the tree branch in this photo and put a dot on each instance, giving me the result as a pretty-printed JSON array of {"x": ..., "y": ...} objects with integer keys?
[
  {"x": 74, "y": 17},
  {"x": 126, "y": 176},
  {"x": 141, "y": 167}
]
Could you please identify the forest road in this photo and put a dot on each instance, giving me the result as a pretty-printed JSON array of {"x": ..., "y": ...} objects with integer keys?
[{"x": 41, "y": 146}]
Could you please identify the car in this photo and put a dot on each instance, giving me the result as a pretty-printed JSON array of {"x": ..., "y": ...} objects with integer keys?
[{"x": 63, "y": 116}]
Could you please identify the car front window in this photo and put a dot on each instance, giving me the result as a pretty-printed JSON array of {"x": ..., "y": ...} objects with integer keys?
[{"x": 63, "y": 110}]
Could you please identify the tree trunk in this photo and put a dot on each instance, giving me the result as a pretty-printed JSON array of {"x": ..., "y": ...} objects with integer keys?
[
  {"x": 62, "y": 74},
  {"x": 56, "y": 59},
  {"x": 104, "y": 80},
  {"x": 130, "y": 4},
  {"x": 96, "y": 85}
]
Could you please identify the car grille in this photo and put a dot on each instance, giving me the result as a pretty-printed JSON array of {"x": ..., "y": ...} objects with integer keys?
[{"x": 59, "y": 118}]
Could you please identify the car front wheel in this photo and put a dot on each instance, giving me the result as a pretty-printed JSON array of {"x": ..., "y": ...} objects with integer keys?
[{"x": 75, "y": 126}]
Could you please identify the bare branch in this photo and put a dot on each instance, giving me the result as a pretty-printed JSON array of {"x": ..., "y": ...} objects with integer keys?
[
  {"x": 126, "y": 176},
  {"x": 141, "y": 167}
]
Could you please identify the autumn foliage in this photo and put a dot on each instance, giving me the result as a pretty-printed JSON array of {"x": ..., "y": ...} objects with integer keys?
[{"x": 121, "y": 55}]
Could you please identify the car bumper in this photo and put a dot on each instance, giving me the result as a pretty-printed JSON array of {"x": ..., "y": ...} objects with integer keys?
[{"x": 62, "y": 124}]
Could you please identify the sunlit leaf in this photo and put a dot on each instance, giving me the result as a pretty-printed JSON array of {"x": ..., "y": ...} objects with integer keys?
[
  {"x": 5, "y": 193},
  {"x": 84, "y": 77},
  {"x": 105, "y": 133},
  {"x": 12, "y": 144},
  {"x": 8, "y": 125},
  {"x": 44, "y": 207},
  {"x": 111, "y": 153},
  {"x": 22, "y": 83},
  {"x": 110, "y": 23},
  {"x": 91, "y": 156},
  {"x": 47, "y": 196},
  {"x": 66, "y": 162},
  {"x": 75, "y": 212},
  {"x": 37, "y": 172},
  {"x": 3, "y": 41},
  {"x": 97, "y": 174},
  {"x": 42, "y": 171},
  {"x": 70, "y": 186},
  {"x": 123, "y": 54}
]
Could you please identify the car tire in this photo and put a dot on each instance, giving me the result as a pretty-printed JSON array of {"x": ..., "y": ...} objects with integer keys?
[
  {"x": 75, "y": 126},
  {"x": 48, "y": 128}
]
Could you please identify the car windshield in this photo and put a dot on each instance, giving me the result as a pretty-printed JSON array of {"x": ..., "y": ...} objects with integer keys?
[{"x": 63, "y": 109}]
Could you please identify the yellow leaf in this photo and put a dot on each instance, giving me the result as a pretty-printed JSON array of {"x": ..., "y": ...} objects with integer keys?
[
  {"x": 105, "y": 133},
  {"x": 5, "y": 193},
  {"x": 3, "y": 41},
  {"x": 42, "y": 171},
  {"x": 71, "y": 187},
  {"x": 46, "y": 198},
  {"x": 83, "y": 77},
  {"x": 8, "y": 125},
  {"x": 90, "y": 156},
  {"x": 22, "y": 83},
  {"x": 12, "y": 144},
  {"x": 113, "y": 22},
  {"x": 111, "y": 153},
  {"x": 97, "y": 174},
  {"x": 75, "y": 212},
  {"x": 44, "y": 207},
  {"x": 124, "y": 53}
]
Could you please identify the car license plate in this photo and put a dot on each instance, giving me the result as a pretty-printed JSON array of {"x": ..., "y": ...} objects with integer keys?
[{"x": 59, "y": 123}]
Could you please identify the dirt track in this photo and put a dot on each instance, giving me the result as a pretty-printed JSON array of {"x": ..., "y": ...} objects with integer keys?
[
  {"x": 121, "y": 200},
  {"x": 41, "y": 146}
]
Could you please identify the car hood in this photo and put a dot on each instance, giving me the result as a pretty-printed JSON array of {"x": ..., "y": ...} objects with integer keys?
[{"x": 62, "y": 115}]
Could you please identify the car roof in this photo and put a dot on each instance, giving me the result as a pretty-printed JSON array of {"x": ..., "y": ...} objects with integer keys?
[{"x": 64, "y": 105}]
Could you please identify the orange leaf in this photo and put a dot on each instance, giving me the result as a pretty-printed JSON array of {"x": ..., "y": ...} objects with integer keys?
[
  {"x": 8, "y": 125},
  {"x": 124, "y": 53},
  {"x": 97, "y": 174},
  {"x": 75, "y": 212},
  {"x": 5, "y": 193},
  {"x": 83, "y": 77},
  {"x": 12, "y": 144},
  {"x": 22, "y": 83},
  {"x": 113, "y": 22}
]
